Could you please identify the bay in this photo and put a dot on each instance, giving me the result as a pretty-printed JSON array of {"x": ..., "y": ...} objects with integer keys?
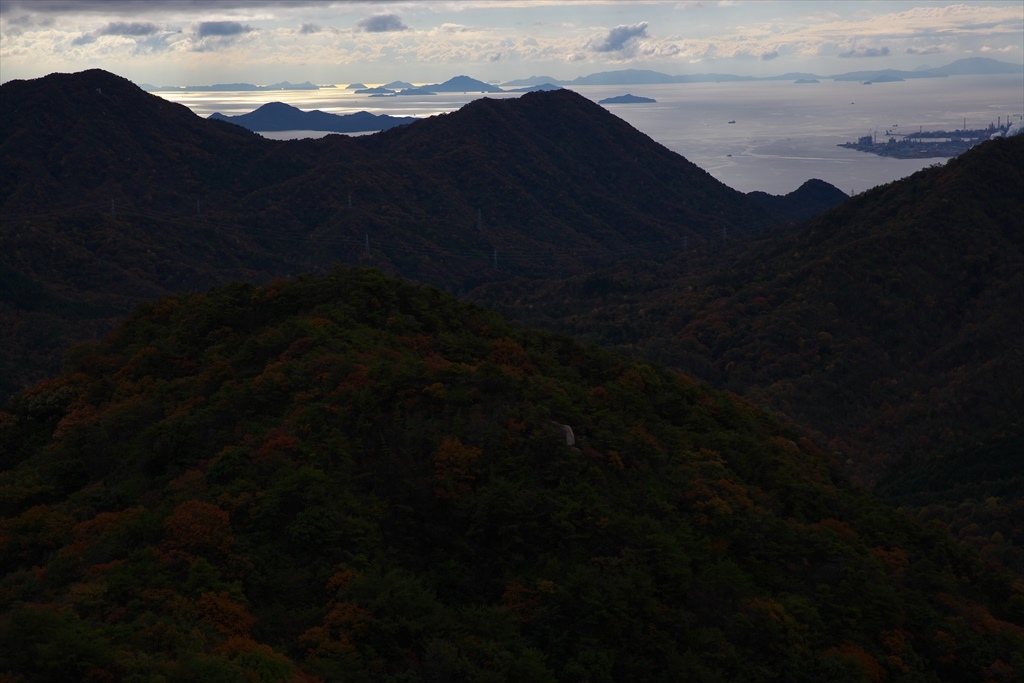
[{"x": 784, "y": 133}]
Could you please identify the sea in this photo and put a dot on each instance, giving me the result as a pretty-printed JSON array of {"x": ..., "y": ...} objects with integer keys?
[{"x": 762, "y": 135}]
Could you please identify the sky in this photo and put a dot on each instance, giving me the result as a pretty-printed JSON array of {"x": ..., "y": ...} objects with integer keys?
[{"x": 203, "y": 42}]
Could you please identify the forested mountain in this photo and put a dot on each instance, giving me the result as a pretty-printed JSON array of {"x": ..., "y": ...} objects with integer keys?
[
  {"x": 893, "y": 319},
  {"x": 351, "y": 478},
  {"x": 111, "y": 196},
  {"x": 891, "y": 324}
]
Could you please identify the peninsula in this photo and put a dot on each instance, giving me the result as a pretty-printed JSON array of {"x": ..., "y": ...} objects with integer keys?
[{"x": 925, "y": 144}]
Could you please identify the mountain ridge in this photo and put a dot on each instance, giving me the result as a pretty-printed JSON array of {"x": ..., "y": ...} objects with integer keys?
[{"x": 112, "y": 194}]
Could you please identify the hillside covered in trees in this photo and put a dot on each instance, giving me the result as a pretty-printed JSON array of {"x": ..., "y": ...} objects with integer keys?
[
  {"x": 892, "y": 322},
  {"x": 353, "y": 478}
]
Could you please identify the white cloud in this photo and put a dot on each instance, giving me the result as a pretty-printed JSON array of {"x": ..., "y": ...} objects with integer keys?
[
  {"x": 619, "y": 38},
  {"x": 453, "y": 28}
]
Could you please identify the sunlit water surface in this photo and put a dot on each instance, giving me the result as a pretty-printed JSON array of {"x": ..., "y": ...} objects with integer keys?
[{"x": 784, "y": 133}]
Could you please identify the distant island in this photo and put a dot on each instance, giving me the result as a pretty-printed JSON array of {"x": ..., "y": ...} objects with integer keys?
[
  {"x": 464, "y": 84},
  {"x": 231, "y": 87},
  {"x": 628, "y": 98},
  {"x": 973, "y": 66},
  {"x": 277, "y": 116},
  {"x": 386, "y": 92},
  {"x": 883, "y": 78},
  {"x": 392, "y": 93}
]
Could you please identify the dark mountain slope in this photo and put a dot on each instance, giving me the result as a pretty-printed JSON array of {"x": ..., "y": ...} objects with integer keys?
[
  {"x": 560, "y": 151},
  {"x": 893, "y": 321},
  {"x": 550, "y": 181},
  {"x": 358, "y": 479},
  {"x": 111, "y": 195},
  {"x": 93, "y": 137}
]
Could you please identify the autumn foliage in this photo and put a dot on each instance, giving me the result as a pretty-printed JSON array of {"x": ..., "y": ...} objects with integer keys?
[{"x": 355, "y": 478}]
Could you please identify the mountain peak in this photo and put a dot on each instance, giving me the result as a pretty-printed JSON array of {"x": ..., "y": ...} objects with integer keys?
[
  {"x": 463, "y": 84},
  {"x": 810, "y": 199}
]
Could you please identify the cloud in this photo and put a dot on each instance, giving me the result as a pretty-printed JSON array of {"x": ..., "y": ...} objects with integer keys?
[
  {"x": 382, "y": 23},
  {"x": 217, "y": 35},
  {"x": 205, "y": 29},
  {"x": 291, "y": 38},
  {"x": 453, "y": 28},
  {"x": 16, "y": 26},
  {"x": 931, "y": 50},
  {"x": 701, "y": 4},
  {"x": 865, "y": 52},
  {"x": 134, "y": 28},
  {"x": 137, "y": 7},
  {"x": 619, "y": 37}
]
